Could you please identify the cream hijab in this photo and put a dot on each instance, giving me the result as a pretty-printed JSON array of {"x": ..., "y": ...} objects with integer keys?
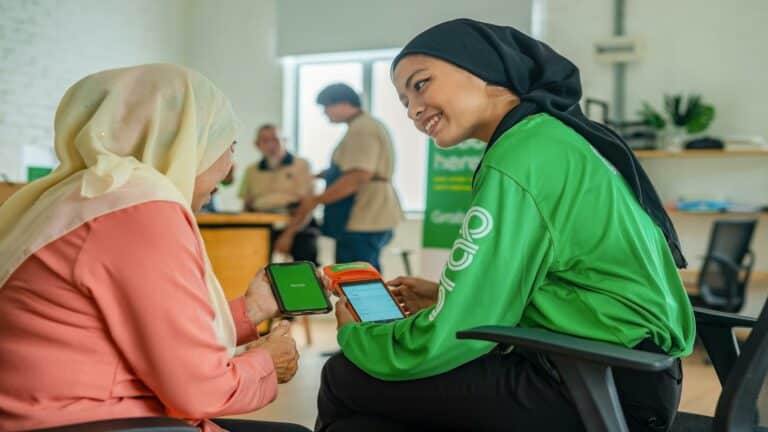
[{"x": 124, "y": 137}]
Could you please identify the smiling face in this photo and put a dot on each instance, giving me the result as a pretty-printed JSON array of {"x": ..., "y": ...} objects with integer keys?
[
  {"x": 445, "y": 102},
  {"x": 448, "y": 103}
]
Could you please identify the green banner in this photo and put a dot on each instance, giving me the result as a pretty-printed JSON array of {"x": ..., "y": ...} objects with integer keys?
[
  {"x": 34, "y": 173},
  {"x": 449, "y": 189}
]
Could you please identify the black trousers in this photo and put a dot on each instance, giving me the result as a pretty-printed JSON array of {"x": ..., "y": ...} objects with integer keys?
[
  {"x": 236, "y": 425},
  {"x": 518, "y": 391}
]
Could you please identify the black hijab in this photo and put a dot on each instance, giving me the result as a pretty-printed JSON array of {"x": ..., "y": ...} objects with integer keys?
[{"x": 546, "y": 82}]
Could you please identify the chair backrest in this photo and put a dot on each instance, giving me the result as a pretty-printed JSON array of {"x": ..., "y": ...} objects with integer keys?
[
  {"x": 730, "y": 241},
  {"x": 737, "y": 408}
]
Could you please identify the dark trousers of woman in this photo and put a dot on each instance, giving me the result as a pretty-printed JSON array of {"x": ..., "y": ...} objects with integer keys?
[
  {"x": 235, "y": 425},
  {"x": 517, "y": 391}
]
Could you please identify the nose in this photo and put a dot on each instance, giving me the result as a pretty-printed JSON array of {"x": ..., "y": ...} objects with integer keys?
[{"x": 415, "y": 110}]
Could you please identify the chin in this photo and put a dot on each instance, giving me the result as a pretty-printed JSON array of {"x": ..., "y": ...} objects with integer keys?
[{"x": 446, "y": 143}]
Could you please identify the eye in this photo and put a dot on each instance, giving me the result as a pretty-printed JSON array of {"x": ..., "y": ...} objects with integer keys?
[{"x": 418, "y": 85}]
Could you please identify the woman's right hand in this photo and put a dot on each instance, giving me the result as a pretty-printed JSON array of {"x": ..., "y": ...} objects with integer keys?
[
  {"x": 416, "y": 294},
  {"x": 282, "y": 348}
]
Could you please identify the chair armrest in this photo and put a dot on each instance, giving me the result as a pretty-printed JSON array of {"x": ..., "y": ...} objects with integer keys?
[
  {"x": 715, "y": 329},
  {"x": 138, "y": 424},
  {"x": 570, "y": 346},
  {"x": 584, "y": 366},
  {"x": 722, "y": 319}
]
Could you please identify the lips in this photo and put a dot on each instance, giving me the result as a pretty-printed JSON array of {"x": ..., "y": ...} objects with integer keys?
[{"x": 430, "y": 123}]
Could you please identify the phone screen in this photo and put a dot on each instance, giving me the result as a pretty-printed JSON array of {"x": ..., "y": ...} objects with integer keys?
[
  {"x": 297, "y": 286},
  {"x": 372, "y": 301}
]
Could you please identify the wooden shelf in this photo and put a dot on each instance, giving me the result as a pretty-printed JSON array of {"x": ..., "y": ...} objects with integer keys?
[
  {"x": 716, "y": 213},
  {"x": 658, "y": 154},
  {"x": 689, "y": 276}
]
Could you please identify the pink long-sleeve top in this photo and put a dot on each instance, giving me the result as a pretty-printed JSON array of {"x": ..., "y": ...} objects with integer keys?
[{"x": 113, "y": 320}]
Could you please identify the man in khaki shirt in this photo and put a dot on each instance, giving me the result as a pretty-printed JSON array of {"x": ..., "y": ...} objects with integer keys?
[
  {"x": 361, "y": 206},
  {"x": 277, "y": 184}
]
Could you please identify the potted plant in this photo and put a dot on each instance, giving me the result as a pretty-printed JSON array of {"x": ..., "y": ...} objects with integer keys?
[{"x": 685, "y": 117}]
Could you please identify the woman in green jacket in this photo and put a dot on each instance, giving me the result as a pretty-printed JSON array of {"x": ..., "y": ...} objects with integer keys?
[{"x": 565, "y": 232}]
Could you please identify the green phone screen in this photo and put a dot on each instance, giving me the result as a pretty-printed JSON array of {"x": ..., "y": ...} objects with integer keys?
[{"x": 298, "y": 287}]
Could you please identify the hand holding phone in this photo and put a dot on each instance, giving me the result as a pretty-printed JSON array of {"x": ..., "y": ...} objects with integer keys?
[
  {"x": 297, "y": 288},
  {"x": 260, "y": 300},
  {"x": 371, "y": 301},
  {"x": 415, "y": 293},
  {"x": 364, "y": 293}
]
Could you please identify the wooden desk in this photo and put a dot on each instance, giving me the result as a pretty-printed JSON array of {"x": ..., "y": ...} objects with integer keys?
[
  {"x": 8, "y": 189},
  {"x": 238, "y": 246}
]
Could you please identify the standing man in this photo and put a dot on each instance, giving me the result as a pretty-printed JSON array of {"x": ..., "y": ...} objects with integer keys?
[
  {"x": 361, "y": 206},
  {"x": 277, "y": 184}
]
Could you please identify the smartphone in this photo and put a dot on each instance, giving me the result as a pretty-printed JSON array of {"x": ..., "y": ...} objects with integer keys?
[
  {"x": 297, "y": 289},
  {"x": 371, "y": 301}
]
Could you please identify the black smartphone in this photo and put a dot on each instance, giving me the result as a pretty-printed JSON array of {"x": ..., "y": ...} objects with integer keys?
[
  {"x": 297, "y": 289},
  {"x": 371, "y": 301}
]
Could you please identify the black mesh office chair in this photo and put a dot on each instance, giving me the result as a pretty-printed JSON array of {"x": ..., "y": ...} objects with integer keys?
[
  {"x": 722, "y": 285},
  {"x": 585, "y": 367},
  {"x": 166, "y": 424},
  {"x": 139, "y": 424}
]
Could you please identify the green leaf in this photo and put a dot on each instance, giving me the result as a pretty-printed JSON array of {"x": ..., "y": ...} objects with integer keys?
[
  {"x": 651, "y": 117},
  {"x": 694, "y": 102},
  {"x": 672, "y": 106},
  {"x": 700, "y": 119}
]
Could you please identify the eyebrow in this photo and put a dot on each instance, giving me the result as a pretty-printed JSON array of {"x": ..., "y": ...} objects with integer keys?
[{"x": 408, "y": 82}]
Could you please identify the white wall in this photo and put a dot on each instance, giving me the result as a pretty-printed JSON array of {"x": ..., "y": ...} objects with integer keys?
[
  {"x": 233, "y": 43},
  {"x": 311, "y": 26},
  {"x": 46, "y": 46},
  {"x": 709, "y": 47}
]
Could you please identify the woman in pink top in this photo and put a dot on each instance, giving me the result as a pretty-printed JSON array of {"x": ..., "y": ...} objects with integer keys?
[{"x": 108, "y": 305}]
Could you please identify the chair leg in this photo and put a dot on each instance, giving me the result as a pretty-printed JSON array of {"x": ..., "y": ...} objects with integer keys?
[{"x": 307, "y": 331}]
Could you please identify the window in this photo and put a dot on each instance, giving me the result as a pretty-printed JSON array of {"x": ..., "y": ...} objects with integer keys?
[{"x": 367, "y": 73}]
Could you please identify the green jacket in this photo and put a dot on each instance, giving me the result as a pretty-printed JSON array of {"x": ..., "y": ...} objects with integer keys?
[{"x": 554, "y": 239}]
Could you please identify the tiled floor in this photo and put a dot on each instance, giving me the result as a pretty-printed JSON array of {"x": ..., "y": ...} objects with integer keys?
[{"x": 296, "y": 400}]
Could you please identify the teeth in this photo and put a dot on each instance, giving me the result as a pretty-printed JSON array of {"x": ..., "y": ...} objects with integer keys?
[{"x": 432, "y": 122}]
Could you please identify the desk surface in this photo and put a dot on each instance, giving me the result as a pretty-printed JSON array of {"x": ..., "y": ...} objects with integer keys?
[
  {"x": 241, "y": 218},
  {"x": 8, "y": 189}
]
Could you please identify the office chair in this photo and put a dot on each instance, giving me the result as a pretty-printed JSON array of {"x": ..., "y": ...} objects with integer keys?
[
  {"x": 138, "y": 424},
  {"x": 721, "y": 283},
  {"x": 586, "y": 369}
]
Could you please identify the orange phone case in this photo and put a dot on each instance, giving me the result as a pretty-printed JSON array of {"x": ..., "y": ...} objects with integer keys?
[{"x": 354, "y": 272}]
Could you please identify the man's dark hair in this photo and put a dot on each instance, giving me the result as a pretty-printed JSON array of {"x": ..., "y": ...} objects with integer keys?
[
  {"x": 338, "y": 93},
  {"x": 264, "y": 127}
]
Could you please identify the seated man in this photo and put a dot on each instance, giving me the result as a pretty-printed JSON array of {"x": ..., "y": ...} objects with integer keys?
[{"x": 277, "y": 184}]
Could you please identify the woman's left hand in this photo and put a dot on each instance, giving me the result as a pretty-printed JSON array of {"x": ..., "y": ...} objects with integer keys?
[
  {"x": 259, "y": 299},
  {"x": 343, "y": 315}
]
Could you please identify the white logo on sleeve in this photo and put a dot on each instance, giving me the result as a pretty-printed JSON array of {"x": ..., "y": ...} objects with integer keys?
[{"x": 478, "y": 223}]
